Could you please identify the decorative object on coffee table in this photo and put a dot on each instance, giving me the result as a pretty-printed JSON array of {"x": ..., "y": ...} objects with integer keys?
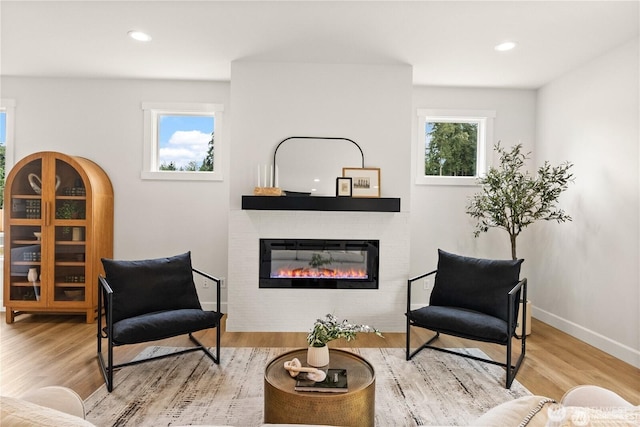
[
  {"x": 329, "y": 329},
  {"x": 294, "y": 367}
]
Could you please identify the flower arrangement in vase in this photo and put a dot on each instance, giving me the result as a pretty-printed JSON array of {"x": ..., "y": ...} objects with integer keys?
[{"x": 329, "y": 329}]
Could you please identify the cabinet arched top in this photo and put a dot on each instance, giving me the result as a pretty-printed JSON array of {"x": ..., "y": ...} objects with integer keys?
[{"x": 27, "y": 172}]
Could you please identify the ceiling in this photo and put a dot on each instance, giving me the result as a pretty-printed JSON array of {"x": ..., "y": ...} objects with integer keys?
[{"x": 448, "y": 43}]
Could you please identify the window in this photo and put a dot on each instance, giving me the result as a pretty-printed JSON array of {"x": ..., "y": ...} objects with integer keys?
[
  {"x": 451, "y": 146},
  {"x": 182, "y": 141},
  {"x": 7, "y": 107}
]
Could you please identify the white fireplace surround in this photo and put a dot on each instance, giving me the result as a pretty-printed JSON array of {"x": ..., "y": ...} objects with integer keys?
[{"x": 252, "y": 309}]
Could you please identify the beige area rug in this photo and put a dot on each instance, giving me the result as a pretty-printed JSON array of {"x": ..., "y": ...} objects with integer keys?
[{"x": 434, "y": 388}]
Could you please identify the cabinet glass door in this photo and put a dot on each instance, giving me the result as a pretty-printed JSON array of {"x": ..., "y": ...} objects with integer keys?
[
  {"x": 70, "y": 234},
  {"x": 23, "y": 238}
]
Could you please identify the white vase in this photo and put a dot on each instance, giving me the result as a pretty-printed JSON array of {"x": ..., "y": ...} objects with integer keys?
[
  {"x": 318, "y": 356},
  {"x": 32, "y": 276}
]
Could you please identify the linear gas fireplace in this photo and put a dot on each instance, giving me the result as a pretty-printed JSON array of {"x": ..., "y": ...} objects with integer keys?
[{"x": 319, "y": 263}]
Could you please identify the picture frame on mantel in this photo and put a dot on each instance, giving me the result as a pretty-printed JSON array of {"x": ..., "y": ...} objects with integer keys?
[
  {"x": 343, "y": 186},
  {"x": 365, "y": 181}
]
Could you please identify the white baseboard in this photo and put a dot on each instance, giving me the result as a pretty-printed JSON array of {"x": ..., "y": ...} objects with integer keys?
[{"x": 614, "y": 348}]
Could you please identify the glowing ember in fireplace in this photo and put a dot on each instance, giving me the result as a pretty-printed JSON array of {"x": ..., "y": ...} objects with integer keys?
[{"x": 319, "y": 273}]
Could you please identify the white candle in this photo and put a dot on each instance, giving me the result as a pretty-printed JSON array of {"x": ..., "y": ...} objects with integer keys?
[
  {"x": 271, "y": 176},
  {"x": 276, "y": 176},
  {"x": 265, "y": 175}
]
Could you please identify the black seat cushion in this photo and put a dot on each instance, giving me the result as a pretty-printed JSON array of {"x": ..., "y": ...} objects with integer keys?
[
  {"x": 163, "y": 324},
  {"x": 476, "y": 284},
  {"x": 151, "y": 286},
  {"x": 461, "y": 322}
]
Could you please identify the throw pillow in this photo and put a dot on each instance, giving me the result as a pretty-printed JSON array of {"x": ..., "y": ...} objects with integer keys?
[
  {"x": 475, "y": 283},
  {"x": 151, "y": 285}
]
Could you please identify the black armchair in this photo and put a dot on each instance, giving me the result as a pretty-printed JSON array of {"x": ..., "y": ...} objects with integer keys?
[
  {"x": 476, "y": 299},
  {"x": 150, "y": 300}
]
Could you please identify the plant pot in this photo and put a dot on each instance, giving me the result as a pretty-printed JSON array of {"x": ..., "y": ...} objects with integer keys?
[{"x": 318, "y": 356}]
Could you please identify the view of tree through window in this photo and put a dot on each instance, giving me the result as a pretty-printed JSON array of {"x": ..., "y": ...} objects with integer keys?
[
  {"x": 186, "y": 143},
  {"x": 3, "y": 148},
  {"x": 451, "y": 148}
]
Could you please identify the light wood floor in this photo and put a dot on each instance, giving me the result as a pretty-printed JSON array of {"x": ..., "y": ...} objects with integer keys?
[{"x": 41, "y": 350}]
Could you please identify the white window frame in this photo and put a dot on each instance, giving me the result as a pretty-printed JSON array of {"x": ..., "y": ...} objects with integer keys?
[
  {"x": 484, "y": 119},
  {"x": 8, "y": 106},
  {"x": 153, "y": 110}
]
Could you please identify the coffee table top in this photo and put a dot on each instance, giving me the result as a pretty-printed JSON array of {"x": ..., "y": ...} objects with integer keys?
[{"x": 360, "y": 373}]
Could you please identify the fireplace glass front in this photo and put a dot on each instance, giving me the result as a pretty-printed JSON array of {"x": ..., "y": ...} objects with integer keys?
[{"x": 319, "y": 263}]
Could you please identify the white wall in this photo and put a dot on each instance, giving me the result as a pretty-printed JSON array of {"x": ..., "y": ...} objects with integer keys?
[
  {"x": 587, "y": 276},
  {"x": 438, "y": 218},
  {"x": 370, "y": 104},
  {"x": 103, "y": 121}
]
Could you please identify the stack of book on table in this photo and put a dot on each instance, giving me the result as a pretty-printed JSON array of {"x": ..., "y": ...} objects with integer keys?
[{"x": 335, "y": 382}]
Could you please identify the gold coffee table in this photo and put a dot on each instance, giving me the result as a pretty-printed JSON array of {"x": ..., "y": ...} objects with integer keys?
[{"x": 284, "y": 405}]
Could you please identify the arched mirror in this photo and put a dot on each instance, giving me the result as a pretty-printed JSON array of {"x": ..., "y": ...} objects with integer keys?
[{"x": 310, "y": 165}]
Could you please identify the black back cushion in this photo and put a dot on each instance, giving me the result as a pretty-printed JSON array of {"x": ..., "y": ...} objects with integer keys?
[
  {"x": 475, "y": 283},
  {"x": 151, "y": 285}
]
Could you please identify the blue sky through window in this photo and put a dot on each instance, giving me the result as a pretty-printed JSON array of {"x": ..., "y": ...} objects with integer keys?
[
  {"x": 3, "y": 128},
  {"x": 183, "y": 138}
]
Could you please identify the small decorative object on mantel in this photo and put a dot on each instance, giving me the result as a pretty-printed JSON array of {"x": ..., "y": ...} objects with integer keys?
[
  {"x": 365, "y": 181},
  {"x": 267, "y": 184},
  {"x": 267, "y": 191},
  {"x": 343, "y": 186},
  {"x": 329, "y": 329}
]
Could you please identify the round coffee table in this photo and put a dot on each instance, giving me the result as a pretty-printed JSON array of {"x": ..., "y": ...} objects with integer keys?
[{"x": 284, "y": 405}]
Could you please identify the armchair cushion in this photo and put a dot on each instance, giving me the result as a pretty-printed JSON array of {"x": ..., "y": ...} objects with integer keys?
[
  {"x": 163, "y": 324},
  {"x": 474, "y": 283},
  {"x": 150, "y": 286},
  {"x": 461, "y": 322}
]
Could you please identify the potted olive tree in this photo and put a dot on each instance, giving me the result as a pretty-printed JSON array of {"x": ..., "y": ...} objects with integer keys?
[{"x": 512, "y": 199}]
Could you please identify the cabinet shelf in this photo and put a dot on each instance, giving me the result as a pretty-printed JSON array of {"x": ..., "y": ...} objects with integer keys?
[
  {"x": 25, "y": 284},
  {"x": 69, "y": 263},
  {"x": 26, "y": 242}
]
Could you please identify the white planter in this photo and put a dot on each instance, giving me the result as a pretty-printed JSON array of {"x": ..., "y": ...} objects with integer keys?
[{"x": 318, "y": 356}]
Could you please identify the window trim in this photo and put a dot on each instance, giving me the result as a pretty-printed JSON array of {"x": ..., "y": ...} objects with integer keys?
[
  {"x": 9, "y": 106},
  {"x": 152, "y": 110},
  {"x": 484, "y": 118}
]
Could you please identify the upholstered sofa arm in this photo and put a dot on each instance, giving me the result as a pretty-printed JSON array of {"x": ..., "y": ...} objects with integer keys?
[
  {"x": 532, "y": 411},
  {"x": 47, "y": 406}
]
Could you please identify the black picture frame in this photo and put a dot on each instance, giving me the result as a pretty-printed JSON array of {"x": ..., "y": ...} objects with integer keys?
[{"x": 344, "y": 186}]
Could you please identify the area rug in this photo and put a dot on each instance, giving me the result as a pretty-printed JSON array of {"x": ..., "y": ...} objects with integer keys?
[{"x": 434, "y": 388}]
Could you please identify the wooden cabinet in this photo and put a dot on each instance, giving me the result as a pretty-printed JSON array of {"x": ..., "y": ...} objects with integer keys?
[{"x": 58, "y": 223}]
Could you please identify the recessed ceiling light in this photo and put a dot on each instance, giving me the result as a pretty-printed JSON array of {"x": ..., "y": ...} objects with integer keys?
[
  {"x": 139, "y": 36},
  {"x": 505, "y": 46}
]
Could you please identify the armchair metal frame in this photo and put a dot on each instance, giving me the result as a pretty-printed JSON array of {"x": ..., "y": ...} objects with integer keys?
[
  {"x": 511, "y": 297},
  {"x": 108, "y": 368}
]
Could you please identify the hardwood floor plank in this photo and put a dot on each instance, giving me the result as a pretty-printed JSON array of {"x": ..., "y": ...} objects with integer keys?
[{"x": 41, "y": 350}]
